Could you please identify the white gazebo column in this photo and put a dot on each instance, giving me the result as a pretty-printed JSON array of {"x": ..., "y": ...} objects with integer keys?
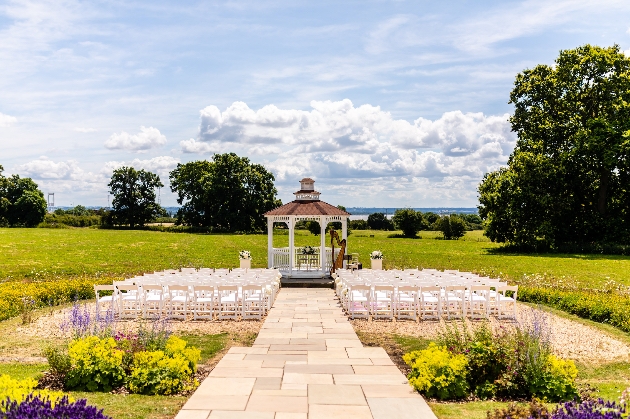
[
  {"x": 322, "y": 244},
  {"x": 269, "y": 242},
  {"x": 344, "y": 235},
  {"x": 291, "y": 243}
]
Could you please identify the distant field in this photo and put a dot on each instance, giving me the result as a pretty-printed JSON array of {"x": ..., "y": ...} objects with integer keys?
[{"x": 45, "y": 253}]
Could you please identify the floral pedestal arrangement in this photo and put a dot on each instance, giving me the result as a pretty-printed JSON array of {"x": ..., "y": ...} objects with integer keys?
[
  {"x": 376, "y": 259},
  {"x": 245, "y": 258}
]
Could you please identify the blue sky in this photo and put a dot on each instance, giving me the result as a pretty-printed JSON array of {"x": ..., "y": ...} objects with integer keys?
[{"x": 384, "y": 103}]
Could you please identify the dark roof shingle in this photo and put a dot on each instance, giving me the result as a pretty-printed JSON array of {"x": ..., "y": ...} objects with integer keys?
[{"x": 307, "y": 208}]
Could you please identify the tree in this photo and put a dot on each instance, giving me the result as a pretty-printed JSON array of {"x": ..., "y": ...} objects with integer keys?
[
  {"x": 567, "y": 179},
  {"x": 452, "y": 226},
  {"x": 313, "y": 227},
  {"x": 21, "y": 202},
  {"x": 134, "y": 196},
  {"x": 409, "y": 221},
  {"x": 358, "y": 224},
  {"x": 227, "y": 194},
  {"x": 379, "y": 221}
]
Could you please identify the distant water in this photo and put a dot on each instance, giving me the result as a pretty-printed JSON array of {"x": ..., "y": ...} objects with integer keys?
[{"x": 361, "y": 213}]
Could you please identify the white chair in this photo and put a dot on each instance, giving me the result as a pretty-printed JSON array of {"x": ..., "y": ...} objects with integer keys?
[
  {"x": 406, "y": 302},
  {"x": 383, "y": 302},
  {"x": 153, "y": 301},
  {"x": 479, "y": 301},
  {"x": 178, "y": 301},
  {"x": 228, "y": 304},
  {"x": 109, "y": 301},
  {"x": 359, "y": 301},
  {"x": 504, "y": 301},
  {"x": 203, "y": 301},
  {"x": 129, "y": 302},
  {"x": 253, "y": 303},
  {"x": 454, "y": 299},
  {"x": 430, "y": 303}
]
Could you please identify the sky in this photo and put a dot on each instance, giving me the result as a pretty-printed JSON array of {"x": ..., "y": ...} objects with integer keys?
[{"x": 383, "y": 103}]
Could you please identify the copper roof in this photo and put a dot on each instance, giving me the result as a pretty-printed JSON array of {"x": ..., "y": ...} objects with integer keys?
[
  {"x": 307, "y": 179},
  {"x": 307, "y": 208}
]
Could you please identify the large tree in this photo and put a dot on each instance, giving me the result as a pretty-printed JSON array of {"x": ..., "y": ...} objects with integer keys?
[
  {"x": 569, "y": 175},
  {"x": 134, "y": 196},
  {"x": 226, "y": 194},
  {"x": 21, "y": 202}
]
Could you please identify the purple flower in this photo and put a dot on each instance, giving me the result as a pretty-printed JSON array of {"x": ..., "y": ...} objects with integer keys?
[{"x": 41, "y": 408}]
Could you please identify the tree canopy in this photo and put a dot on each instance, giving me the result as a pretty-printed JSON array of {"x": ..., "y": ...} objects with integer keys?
[
  {"x": 226, "y": 194},
  {"x": 567, "y": 180},
  {"x": 134, "y": 196},
  {"x": 409, "y": 221},
  {"x": 21, "y": 202}
]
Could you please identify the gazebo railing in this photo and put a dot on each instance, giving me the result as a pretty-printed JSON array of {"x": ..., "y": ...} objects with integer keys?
[{"x": 281, "y": 258}]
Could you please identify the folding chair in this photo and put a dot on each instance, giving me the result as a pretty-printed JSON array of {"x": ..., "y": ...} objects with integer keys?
[
  {"x": 504, "y": 301},
  {"x": 430, "y": 303},
  {"x": 203, "y": 301},
  {"x": 253, "y": 304},
  {"x": 228, "y": 303},
  {"x": 359, "y": 301},
  {"x": 406, "y": 302},
  {"x": 129, "y": 300},
  {"x": 109, "y": 301},
  {"x": 178, "y": 301},
  {"x": 153, "y": 301},
  {"x": 383, "y": 302}
]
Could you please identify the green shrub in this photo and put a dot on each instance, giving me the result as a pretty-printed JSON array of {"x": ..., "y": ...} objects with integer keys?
[
  {"x": 556, "y": 382},
  {"x": 17, "y": 390},
  {"x": 165, "y": 372},
  {"x": 513, "y": 362},
  {"x": 59, "y": 361},
  {"x": 435, "y": 372},
  {"x": 97, "y": 364}
]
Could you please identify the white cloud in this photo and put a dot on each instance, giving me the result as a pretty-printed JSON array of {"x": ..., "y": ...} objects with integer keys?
[
  {"x": 161, "y": 165},
  {"x": 363, "y": 145},
  {"x": 44, "y": 168},
  {"x": 6, "y": 120},
  {"x": 85, "y": 130},
  {"x": 146, "y": 139}
]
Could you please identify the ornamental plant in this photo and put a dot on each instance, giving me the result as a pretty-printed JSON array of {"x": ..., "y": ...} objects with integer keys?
[
  {"x": 436, "y": 372},
  {"x": 244, "y": 254},
  {"x": 97, "y": 364},
  {"x": 377, "y": 254},
  {"x": 35, "y": 406},
  {"x": 308, "y": 250},
  {"x": 514, "y": 362},
  {"x": 18, "y": 390}
]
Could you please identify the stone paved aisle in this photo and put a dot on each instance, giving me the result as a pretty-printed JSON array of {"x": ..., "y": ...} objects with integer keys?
[{"x": 307, "y": 363}]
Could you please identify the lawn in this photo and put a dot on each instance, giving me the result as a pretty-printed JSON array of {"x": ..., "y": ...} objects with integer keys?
[{"x": 47, "y": 253}]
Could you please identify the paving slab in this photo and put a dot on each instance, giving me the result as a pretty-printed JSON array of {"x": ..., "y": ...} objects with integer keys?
[{"x": 306, "y": 363}]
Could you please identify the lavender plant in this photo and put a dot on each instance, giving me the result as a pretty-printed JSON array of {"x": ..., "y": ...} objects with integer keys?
[
  {"x": 42, "y": 408},
  {"x": 591, "y": 409},
  {"x": 80, "y": 322}
]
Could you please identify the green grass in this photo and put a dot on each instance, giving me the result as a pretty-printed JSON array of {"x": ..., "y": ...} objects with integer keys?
[
  {"x": 210, "y": 345},
  {"x": 33, "y": 253}
]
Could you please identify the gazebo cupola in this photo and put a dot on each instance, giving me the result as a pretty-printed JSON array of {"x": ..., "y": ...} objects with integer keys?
[{"x": 292, "y": 261}]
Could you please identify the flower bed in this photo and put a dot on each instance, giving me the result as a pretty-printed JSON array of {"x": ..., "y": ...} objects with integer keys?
[{"x": 514, "y": 363}]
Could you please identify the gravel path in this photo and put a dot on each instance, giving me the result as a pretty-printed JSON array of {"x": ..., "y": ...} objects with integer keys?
[
  {"x": 569, "y": 339},
  {"x": 50, "y": 326}
]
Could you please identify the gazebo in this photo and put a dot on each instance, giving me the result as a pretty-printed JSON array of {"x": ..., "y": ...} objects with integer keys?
[{"x": 304, "y": 262}]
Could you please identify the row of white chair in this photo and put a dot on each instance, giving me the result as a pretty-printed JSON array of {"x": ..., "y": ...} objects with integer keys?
[
  {"x": 248, "y": 296},
  {"x": 383, "y": 294}
]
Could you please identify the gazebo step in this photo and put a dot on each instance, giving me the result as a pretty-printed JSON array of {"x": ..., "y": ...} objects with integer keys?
[{"x": 307, "y": 282}]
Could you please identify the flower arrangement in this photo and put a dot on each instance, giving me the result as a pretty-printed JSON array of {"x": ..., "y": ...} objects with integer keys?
[
  {"x": 308, "y": 250},
  {"x": 377, "y": 254},
  {"x": 244, "y": 254}
]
